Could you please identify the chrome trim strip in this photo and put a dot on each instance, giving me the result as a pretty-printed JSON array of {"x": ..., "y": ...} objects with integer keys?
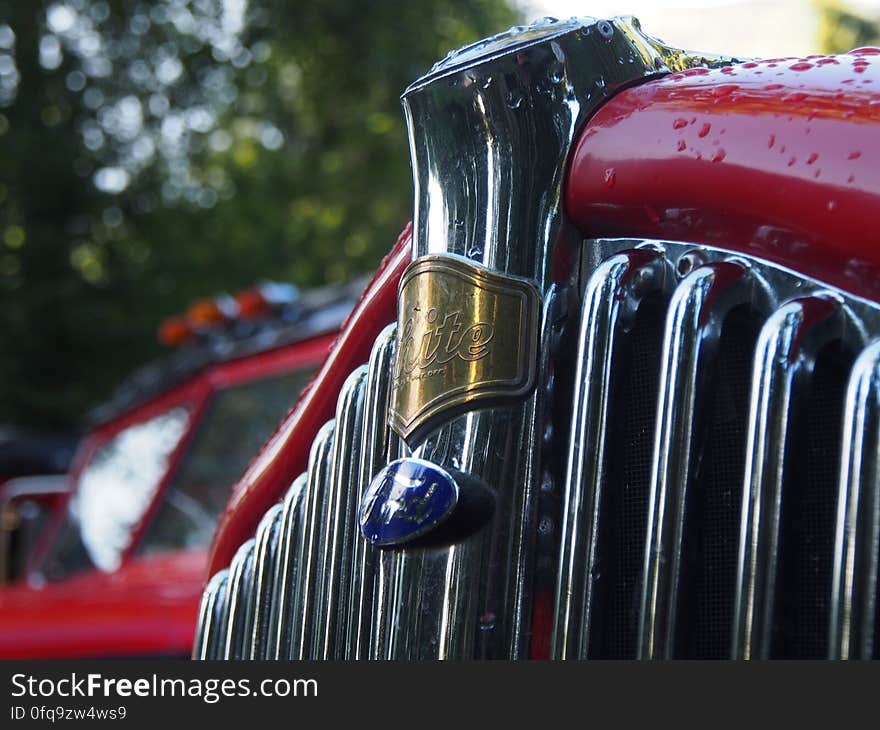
[
  {"x": 265, "y": 580},
  {"x": 287, "y": 572},
  {"x": 786, "y": 343},
  {"x": 854, "y": 585},
  {"x": 239, "y": 623},
  {"x": 340, "y": 520},
  {"x": 373, "y": 456},
  {"x": 693, "y": 327},
  {"x": 611, "y": 300},
  {"x": 309, "y": 544},
  {"x": 211, "y": 627}
]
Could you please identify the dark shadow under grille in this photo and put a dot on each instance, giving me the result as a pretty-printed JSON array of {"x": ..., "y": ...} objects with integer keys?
[
  {"x": 809, "y": 505},
  {"x": 713, "y": 510}
]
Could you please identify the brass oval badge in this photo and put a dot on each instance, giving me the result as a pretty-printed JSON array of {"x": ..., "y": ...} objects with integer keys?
[{"x": 466, "y": 337}]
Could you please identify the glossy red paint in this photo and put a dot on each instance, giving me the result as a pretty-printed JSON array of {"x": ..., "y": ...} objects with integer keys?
[
  {"x": 285, "y": 455},
  {"x": 777, "y": 158},
  {"x": 146, "y": 608}
]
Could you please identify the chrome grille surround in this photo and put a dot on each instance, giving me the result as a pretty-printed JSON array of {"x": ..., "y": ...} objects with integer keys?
[{"x": 800, "y": 317}]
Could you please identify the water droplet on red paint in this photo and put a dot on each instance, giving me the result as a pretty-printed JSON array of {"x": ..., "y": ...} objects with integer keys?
[
  {"x": 812, "y": 158},
  {"x": 865, "y": 51},
  {"x": 795, "y": 97},
  {"x": 859, "y": 69},
  {"x": 771, "y": 141},
  {"x": 826, "y": 61},
  {"x": 679, "y": 123},
  {"x": 817, "y": 173},
  {"x": 772, "y": 87},
  {"x": 719, "y": 155},
  {"x": 791, "y": 161},
  {"x": 652, "y": 215},
  {"x": 854, "y": 155},
  {"x": 681, "y": 145},
  {"x": 610, "y": 177},
  {"x": 750, "y": 64},
  {"x": 831, "y": 206},
  {"x": 802, "y": 66},
  {"x": 705, "y": 129},
  {"x": 851, "y": 178},
  {"x": 719, "y": 92}
]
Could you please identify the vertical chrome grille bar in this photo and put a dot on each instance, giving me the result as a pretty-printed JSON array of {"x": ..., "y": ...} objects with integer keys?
[
  {"x": 309, "y": 544},
  {"x": 339, "y": 519},
  {"x": 693, "y": 327},
  {"x": 388, "y": 577},
  {"x": 854, "y": 586},
  {"x": 373, "y": 456},
  {"x": 265, "y": 580},
  {"x": 612, "y": 297},
  {"x": 785, "y": 345},
  {"x": 213, "y": 610},
  {"x": 287, "y": 570},
  {"x": 241, "y": 602}
]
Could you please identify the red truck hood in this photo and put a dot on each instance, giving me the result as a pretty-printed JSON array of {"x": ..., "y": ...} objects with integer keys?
[{"x": 148, "y": 607}]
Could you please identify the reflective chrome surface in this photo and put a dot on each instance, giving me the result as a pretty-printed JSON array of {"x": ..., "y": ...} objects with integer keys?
[
  {"x": 801, "y": 316},
  {"x": 266, "y": 557},
  {"x": 693, "y": 328},
  {"x": 490, "y": 128},
  {"x": 340, "y": 526},
  {"x": 376, "y": 452},
  {"x": 612, "y": 297},
  {"x": 857, "y": 539},
  {"x": 303, "y": 588},
  {"x": 790, "y": 338},
  {"x": 239, "y": 629},
  {"x": 287, "y": 570}
]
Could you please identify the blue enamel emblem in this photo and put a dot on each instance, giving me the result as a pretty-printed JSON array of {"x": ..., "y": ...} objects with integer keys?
[{"x": 408, "y": 498}]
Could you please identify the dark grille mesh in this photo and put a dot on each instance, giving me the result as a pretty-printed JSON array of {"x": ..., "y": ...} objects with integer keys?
[
  {"x": 809, "y": 505},
  {"x": 712, "y": 517},
  {"x": 624, "y": 508}
]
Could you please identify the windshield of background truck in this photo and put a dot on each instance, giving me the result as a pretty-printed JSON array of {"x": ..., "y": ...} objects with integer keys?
[
  {"x": 114, "y": 491},
  {"x": 238, "y": 422}
]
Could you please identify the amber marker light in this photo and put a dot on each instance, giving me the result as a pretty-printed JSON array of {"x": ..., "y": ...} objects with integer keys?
[
  {"x": 205, "y": 313},
  {"x": 174, "y": 331},
  {"x": 252, "y": 304}
]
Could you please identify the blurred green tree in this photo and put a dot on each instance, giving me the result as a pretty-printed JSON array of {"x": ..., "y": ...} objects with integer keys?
[
  {"x": 153, "y": 153},
  {"x": 841, "y": 28}
]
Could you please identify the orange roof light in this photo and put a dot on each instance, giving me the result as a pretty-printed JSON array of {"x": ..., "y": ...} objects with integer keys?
[
  {"x": 205, "y": 313},
  {"x": 252, "y": 303},
  {"x": 174, "y": 331},
  {"x": 264, "y": 298}
]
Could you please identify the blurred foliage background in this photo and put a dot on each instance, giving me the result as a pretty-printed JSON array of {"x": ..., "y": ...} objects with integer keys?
[
  {"x": 155, "y": 152},
  {"x": 842, "y": 28}
]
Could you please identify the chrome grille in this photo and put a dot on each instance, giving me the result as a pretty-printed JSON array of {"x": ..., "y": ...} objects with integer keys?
[
  {"x": 306, "y": 582},
  {"x": 697, "y": 363},
  {"x": 796, "y": 320}
]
